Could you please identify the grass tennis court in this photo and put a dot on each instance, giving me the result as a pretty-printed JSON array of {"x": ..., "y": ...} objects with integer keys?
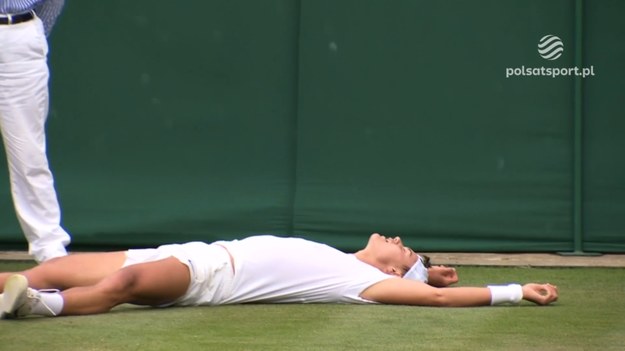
[{"x": 590, "y": 315}]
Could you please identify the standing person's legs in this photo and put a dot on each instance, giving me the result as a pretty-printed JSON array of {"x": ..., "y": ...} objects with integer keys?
[{"x": 23, "y": 112}]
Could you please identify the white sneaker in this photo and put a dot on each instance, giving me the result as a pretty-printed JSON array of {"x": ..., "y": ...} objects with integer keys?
[
  {"x": 19, "y": 300},
  {"x": 14, "y": 295}
]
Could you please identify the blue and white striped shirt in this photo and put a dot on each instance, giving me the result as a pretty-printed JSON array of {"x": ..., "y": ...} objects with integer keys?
[{"x": 47, "y": 10}]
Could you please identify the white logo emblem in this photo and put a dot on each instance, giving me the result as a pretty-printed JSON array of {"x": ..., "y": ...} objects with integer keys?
[{"x": 550, "y": 47}]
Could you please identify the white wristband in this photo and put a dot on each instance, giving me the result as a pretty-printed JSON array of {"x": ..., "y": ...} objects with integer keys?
[{"x": 512, "y": 293}]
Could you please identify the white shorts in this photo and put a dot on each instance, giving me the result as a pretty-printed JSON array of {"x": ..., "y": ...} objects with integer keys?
[{"x": 209, "y": 265}]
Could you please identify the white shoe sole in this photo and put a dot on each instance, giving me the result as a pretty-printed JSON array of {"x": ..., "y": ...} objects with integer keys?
[{"x": 14, "y": 295}]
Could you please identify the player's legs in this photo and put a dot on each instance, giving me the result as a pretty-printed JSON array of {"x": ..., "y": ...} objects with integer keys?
[
  {"x": 152, "y": 283},
  {"x": 61, "y": 273}
]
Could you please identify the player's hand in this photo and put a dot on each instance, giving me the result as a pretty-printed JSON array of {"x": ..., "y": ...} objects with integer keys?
[
  {"x": 541, "y": 294},
  {"x": 441, "y": 276}
]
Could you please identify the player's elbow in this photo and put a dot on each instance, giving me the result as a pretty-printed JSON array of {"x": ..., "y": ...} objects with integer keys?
[{"x": 440, "y": 298}]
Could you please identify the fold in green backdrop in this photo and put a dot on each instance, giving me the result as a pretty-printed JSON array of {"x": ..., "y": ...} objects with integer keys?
[{"x": 334, "y": 119}]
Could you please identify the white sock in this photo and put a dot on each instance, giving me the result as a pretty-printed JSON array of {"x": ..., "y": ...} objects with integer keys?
[{"x": 50, "y": 305}]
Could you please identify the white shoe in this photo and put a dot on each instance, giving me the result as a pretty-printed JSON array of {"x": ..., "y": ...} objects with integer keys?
[
  {"x": 14, "y": 295},
  {"x": 19, "y": 300}
]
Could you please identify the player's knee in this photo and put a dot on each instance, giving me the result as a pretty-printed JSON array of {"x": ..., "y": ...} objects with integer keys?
[{"x": 120, "y": 286}]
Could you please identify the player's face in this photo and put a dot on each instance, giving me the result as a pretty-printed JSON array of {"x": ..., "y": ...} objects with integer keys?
[{"x": 392, "y": 252}]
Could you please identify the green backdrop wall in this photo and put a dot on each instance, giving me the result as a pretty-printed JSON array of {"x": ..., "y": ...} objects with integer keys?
[{"x": 332, "y": 119}]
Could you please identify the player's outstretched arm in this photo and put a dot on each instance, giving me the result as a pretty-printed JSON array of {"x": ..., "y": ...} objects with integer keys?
[{"x": 408, "y": 292}]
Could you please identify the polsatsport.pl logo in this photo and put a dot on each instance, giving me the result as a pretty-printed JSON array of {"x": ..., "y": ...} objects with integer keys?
[{"x": 550, "y": 47}]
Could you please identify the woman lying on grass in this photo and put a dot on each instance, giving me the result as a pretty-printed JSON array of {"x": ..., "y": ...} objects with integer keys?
[{"x": 258, "y": 269}]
